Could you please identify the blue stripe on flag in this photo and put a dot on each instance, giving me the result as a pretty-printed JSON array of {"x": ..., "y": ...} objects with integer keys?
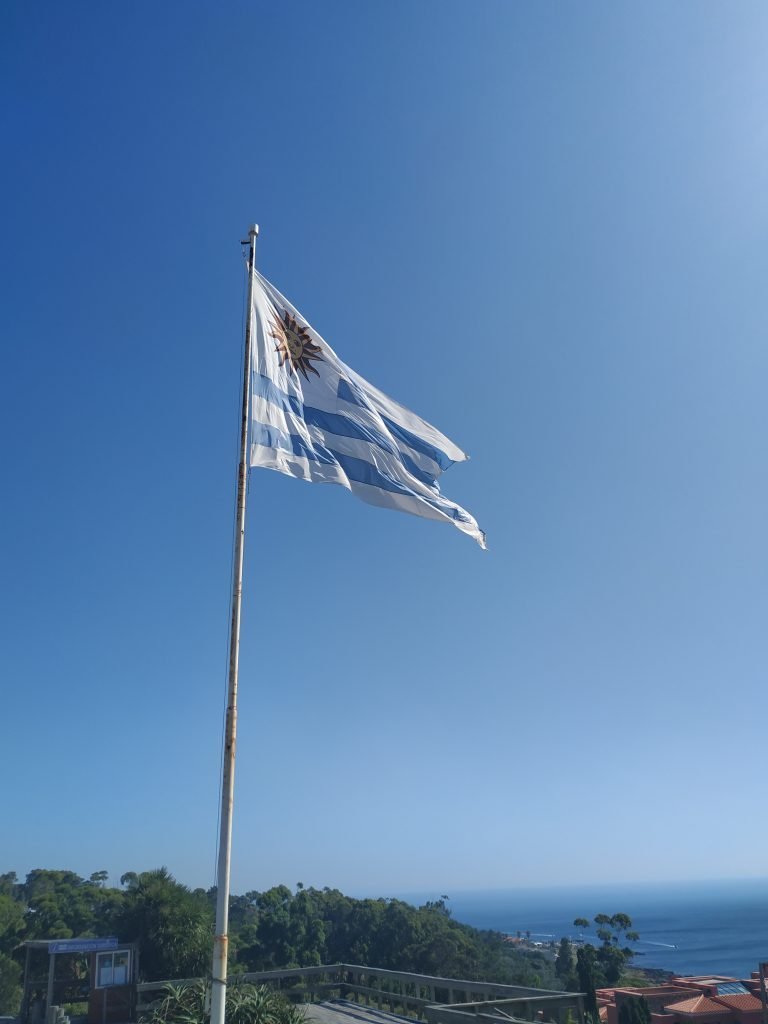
[
  {"x": 273, "y": 437},
  {"x": 418, "y": 444},
  {"x": 332, "y": 422},
  {"x": 356, "y": 469},
  {"x": 350, "y": 392},
  {"x": 353, "y": 393},
  {"x": 267, "y": 389},
  {"x": 337, "y": 423}
]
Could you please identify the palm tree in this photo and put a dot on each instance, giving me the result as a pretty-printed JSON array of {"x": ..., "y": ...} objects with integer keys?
[{"x": 173, "y": 926}]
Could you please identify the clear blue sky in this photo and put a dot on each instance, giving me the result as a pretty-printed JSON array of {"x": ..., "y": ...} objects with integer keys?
[{"x": 541, "y": 226}]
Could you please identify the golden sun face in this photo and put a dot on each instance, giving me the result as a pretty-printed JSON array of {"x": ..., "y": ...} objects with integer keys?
[{"x": 294, "y": 345}]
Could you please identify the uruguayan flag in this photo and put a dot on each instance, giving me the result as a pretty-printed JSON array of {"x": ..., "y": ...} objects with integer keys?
[{"x": 315, "y": 419}]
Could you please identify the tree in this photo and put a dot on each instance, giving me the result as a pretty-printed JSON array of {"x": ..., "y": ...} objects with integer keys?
[
  {"x": 10, "y": 986},
  {"x": 621, "y": 922},
  {"x": 274, "y": 938},
  {"x": 634, "y": 1011},
  {"x": 643, "y": 1011},
  {"x": 9, "y": 885},
  {"x": 60, "y": 904},
  {"x": 173, "y": 926},
  {"x": 610, "y": 957},
  {"x": 564, "y": 960},
  {"x": 589, "y": 979},
  {"x": 11, "y": 923},
  {"x": 612, "y": 961},
  {"x": 439, "y": 906}
]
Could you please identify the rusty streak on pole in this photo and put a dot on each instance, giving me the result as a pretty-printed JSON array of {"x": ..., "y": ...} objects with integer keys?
[{"x": 219, "y": 969}]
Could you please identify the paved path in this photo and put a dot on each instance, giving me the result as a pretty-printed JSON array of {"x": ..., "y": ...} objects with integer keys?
[{"x": 341, "y": 1011}]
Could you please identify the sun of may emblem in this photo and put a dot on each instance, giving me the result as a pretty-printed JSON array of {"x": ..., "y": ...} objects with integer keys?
[{"x": 294, "y": 344}]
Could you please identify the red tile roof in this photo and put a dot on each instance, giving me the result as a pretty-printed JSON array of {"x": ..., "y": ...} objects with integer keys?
[
  {"x": 699, "y": 1004},
  {"x": 742, "y": 1001}
]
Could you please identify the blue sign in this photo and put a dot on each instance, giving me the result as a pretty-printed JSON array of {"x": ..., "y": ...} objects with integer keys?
[{"x": 81, "y": 945}]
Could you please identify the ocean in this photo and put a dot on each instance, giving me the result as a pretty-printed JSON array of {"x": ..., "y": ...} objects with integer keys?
[{"x": 689, "y": 928}]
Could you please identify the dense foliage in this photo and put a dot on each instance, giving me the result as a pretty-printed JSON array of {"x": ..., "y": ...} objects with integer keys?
[
  {"x": 314, "y": 926},
  {"x": 272, "y": 929}
]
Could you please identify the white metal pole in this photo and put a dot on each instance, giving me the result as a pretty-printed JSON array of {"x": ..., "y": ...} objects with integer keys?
[{"x": 219, "y": 969}]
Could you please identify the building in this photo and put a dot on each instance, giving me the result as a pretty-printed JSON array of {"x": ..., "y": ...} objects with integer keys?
[
  {"x": 711, "y": 999},
  {"x": 100, "y": 973}
]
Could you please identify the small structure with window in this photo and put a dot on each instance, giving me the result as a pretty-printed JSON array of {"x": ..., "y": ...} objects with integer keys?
[{"x": 98, "y": 976}]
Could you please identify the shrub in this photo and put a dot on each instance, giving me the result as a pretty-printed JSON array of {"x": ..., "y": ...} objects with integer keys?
[{"x": 246, "y": 1004}]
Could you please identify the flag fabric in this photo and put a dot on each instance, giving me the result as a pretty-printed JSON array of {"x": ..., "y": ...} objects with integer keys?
[{"x": 314, "y": 418}]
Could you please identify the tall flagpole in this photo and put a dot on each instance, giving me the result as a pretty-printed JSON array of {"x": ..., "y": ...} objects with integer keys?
[{"x": 219, "y": 970}]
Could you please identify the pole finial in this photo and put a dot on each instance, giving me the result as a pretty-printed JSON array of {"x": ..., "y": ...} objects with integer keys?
[{"x": 254, "y": 229}]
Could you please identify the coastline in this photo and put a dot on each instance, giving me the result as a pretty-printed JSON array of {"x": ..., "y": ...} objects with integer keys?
[{"x": 685, "y": 930}]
